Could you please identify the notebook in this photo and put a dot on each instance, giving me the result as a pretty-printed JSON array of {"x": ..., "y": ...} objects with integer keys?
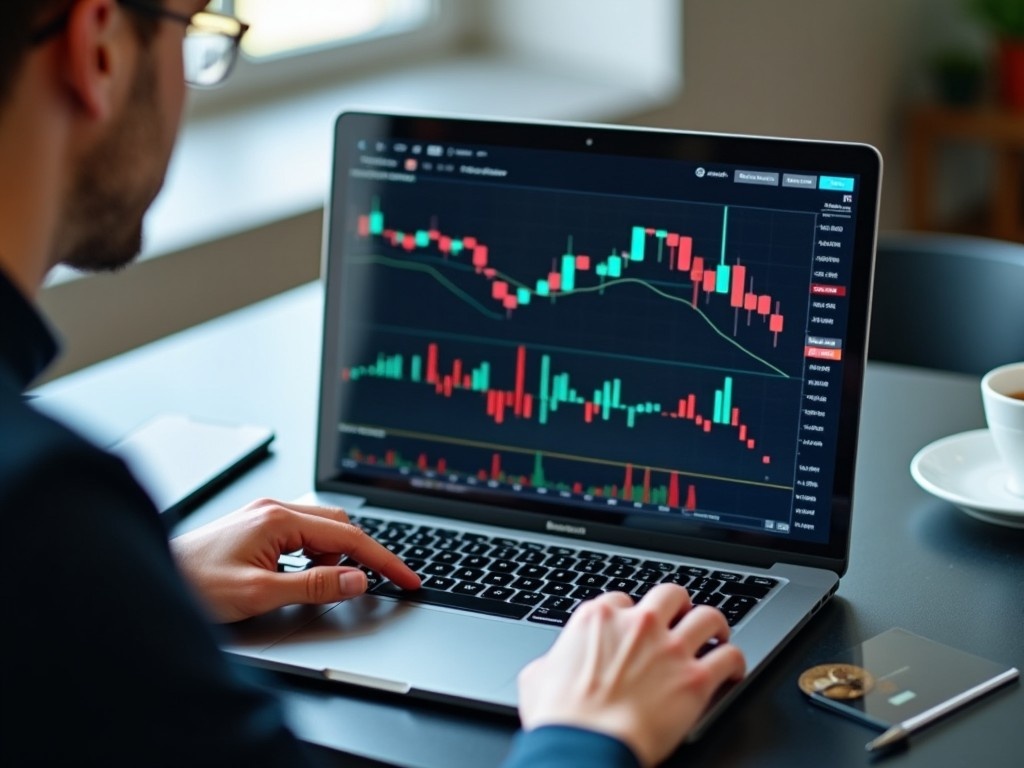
[{"x": 561, "y": 359}]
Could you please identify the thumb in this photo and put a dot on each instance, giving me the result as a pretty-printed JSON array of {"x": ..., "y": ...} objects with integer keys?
[{"x": 321, "y": 584}]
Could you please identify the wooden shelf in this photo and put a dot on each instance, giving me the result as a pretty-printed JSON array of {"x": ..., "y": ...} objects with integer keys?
[{"x": 999, "y": 129}]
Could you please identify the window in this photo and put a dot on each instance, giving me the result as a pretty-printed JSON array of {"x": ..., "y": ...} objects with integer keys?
[
  {"x": 281, "y": 28},
  {"x": 294, "y": 45}
]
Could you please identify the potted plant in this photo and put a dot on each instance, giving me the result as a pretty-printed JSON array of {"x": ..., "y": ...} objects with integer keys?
[
  {"x": 958, "y": 75},
  {"x": 1006, "y": 20}
]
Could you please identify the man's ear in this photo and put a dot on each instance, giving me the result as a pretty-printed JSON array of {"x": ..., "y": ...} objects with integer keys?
[{"x": 96, "y": 59}]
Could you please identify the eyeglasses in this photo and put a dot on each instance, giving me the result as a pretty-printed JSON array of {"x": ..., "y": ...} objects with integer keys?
[
  {"x": 209, "y": 49},
  {"x": 211, "y": 43}
]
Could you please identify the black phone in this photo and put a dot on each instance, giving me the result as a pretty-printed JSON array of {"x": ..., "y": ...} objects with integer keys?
[{"x": 181, "y": 460}]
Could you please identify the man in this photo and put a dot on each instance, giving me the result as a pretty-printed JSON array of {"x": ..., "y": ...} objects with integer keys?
[{"x": 110, "y": 658}]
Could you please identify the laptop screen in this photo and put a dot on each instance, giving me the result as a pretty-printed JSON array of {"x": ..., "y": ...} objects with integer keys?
[{"x": 599, "y": 331}]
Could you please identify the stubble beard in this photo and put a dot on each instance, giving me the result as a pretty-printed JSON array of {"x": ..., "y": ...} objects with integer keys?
[{"x": 117, "y": 182}]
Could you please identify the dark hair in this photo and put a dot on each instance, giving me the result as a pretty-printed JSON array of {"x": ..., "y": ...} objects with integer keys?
[{"x": 20, "y": 19}]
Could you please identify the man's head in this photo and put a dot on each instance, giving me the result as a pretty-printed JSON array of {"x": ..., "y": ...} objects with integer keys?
[{"x": 103, "y": 79}]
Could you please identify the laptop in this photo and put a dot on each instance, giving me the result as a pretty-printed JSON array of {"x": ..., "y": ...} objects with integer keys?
[{"x": 562, "y": 359}]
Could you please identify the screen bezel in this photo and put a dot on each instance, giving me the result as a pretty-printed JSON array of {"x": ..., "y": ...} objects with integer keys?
[{"x": 819, "y": 157}]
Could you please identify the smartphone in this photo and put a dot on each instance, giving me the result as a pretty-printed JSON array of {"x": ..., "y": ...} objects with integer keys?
[{"x": 181, "y": 460}]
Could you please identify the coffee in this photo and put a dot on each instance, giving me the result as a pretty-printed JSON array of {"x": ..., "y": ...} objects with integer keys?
[{"x": 1002, "y": 394}]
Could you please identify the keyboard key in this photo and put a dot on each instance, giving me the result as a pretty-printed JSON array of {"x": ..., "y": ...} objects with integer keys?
[
  {"x": 592, "y": 580},
  {"x": 467, "y": 574},
  {"x": 454, "y": 600},
  {"x": 468, "y": 588},
  {"x": 586, "y": 593},
  {"x": 560, "y": 561},
  {"x": 649, "y": 575},
  {"x": 503, "y": 566},
  {"x": 556, "y": 588},
  {"x": 437, "y": 569},
  {"x": 475, "y": 561},
  {"x": 418, "y": 552},
  {"x": 498, "y": 593},
  {"x": 474, "y": 548},
  {"x": 706, "y": 598},
  {"x": 438, "y": 582},
  {"x": 625, "y": 559},
  {"x": 737, "y": 602},
  {"x": 527, "y": 598},
  {"x": 692, "y": 570},
  {"x": 735, "y": 608},
  {"x": 743, "y": 588},
  {"x": 560, "y": 603},
  {"x": 414, "y": 564},
  {"x": 563, "y": 575},
  {"x": 621, "y": 585},
  {"x": 591, "y": 566},
  {"x": 643, "y": 589},
  {"x": 504, "y": 553},
  {"x": 531, "y": 556},
  {"x": 619, "y": 570},
  {"x": 530, "y": 585},
  {"x": 394, "y": 546},
  {"x": 446, "y": 557},
  {"x": 762, "y": 581},
  {"x": 590, "y": 554},
  {"x": 505, "y": 542},
  {"x": 727, "y": 576},
  {"x": 372, "y": 578},
  {"x": 566, "y": 551},
  {"x": 550, "y": 617},
  {"x": 533, "y": 571},
  {"x": 676, "y": 578},
  {"x": 657, "y": 565},
  {"x": 497, "y": 579},
  {"x": 705, "y": 585}
]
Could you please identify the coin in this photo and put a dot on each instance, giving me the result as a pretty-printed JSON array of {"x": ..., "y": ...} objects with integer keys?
[{"x": 837, "y": 681}]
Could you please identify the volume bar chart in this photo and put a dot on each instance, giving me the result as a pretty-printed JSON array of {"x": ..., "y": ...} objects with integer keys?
[{"x": 637, "y": 484}]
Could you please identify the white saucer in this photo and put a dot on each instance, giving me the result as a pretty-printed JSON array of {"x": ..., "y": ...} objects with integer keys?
[{"x": 966, "y": 470}]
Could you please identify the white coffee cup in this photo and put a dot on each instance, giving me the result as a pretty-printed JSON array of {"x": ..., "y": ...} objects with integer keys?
[{"x": 1002, "y": 393}]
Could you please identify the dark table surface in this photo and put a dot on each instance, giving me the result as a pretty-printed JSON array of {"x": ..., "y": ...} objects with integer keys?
[{"x": 917, "y": 562}]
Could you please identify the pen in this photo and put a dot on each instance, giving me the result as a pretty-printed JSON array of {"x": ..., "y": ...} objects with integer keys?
[{"x": 899, "y": 732}]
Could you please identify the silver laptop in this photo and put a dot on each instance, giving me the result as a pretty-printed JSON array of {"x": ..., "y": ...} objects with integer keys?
[{"x": 563, "y": 359}]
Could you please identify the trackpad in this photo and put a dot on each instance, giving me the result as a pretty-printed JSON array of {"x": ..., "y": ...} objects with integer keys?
[{"x": 391, "y": 645}]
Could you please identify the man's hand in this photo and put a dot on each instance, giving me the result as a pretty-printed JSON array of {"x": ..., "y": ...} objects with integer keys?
[
  {"x": 631, "y": 671},
  {"x": 232, "y": 562}
]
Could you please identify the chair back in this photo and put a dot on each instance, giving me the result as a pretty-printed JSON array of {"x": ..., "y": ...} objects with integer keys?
[{"x": 951, "y": 302}]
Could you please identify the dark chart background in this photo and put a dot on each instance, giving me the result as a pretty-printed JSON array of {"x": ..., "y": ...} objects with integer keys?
[{"x": 605, "y": 393}]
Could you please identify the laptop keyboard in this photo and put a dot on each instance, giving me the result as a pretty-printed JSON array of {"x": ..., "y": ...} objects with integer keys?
[{"x": 537, "y": 582}]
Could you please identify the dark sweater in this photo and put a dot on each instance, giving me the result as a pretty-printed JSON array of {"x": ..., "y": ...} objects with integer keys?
[{"x": 109, "y": 659}]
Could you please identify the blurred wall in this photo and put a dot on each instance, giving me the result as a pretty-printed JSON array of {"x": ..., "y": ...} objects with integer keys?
[{"x": 806, "y": 68}]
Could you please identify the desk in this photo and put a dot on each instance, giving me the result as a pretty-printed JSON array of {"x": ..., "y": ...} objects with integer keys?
[{"x": 916, "y": 561}]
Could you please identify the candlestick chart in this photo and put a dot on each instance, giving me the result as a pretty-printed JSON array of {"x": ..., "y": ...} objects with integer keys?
[{"x": 644, "y": 351}]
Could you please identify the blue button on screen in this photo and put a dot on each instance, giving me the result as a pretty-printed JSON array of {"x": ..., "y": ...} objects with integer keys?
[{"x": 835, "y": 183}]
